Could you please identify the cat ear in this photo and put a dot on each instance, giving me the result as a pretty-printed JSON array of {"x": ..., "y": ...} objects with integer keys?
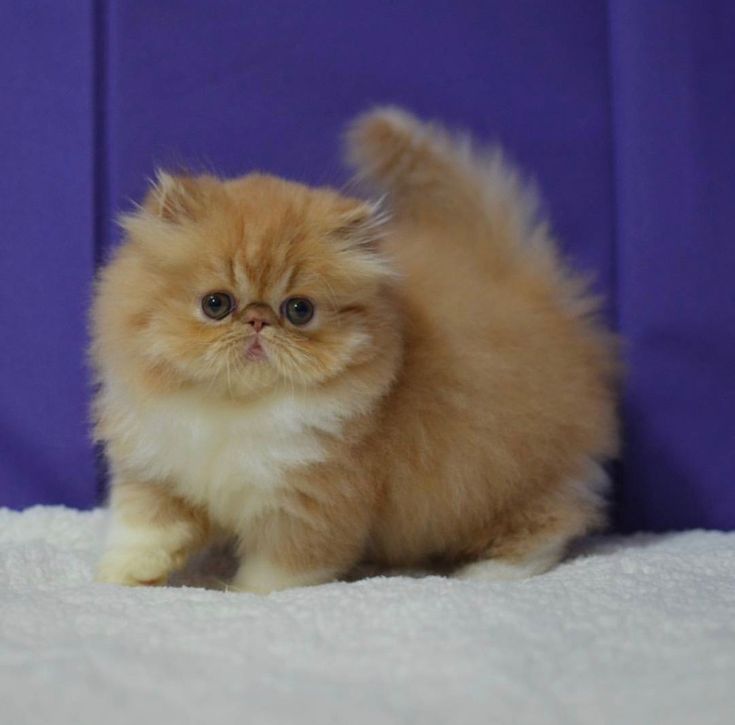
[
  {"x": 361, "y": 224},
  {"x": 360, "y": 232},
  {"x": 175, "y": 198}
]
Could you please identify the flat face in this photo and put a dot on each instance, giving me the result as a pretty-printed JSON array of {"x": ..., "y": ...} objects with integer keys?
[{"x": 241, "y": 285}]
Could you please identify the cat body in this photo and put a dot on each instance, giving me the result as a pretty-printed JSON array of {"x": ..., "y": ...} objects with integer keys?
[{"x": 432, "y": 388}]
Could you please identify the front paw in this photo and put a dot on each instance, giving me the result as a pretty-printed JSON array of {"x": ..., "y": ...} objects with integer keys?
[{"x": 136, "y": 567}]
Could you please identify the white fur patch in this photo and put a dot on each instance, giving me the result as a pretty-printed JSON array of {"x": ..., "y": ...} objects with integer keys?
[
  {"x": 537, "y": 562},
  {"x": 261, "y": 576},
  {"x": 230, "y": 458},
  {"x": 142, "y": 554}
]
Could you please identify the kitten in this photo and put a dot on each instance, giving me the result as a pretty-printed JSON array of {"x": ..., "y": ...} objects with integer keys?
[{"x": 331, "y": 387}]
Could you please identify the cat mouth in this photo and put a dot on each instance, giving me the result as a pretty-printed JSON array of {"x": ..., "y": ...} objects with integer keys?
[{"x": 255, "y": 351}]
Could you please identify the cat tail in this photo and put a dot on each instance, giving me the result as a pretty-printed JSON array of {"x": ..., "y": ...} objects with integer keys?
[{"x": 433, "y": 178}]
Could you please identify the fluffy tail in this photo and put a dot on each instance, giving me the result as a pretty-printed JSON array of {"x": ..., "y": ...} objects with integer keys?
[{"x": 431, "y": 177}]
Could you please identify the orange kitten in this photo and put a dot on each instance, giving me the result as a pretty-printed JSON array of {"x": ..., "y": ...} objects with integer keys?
[{"x": 284, "y": 365}]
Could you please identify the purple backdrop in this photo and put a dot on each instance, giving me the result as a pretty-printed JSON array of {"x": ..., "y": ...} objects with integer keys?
[{"x": 624, "y": 112}]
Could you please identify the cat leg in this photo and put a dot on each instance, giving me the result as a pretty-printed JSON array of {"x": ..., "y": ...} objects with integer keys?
[
  {"x": 285, "y": 551},
  {"x": 538, "y": 539},
  {"x": 151, "y": 535},
  {"x": 264, "y": 572},
  {"x": 523, "y": 562}
]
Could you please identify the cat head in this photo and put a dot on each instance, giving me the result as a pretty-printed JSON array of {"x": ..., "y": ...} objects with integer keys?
[{"x": 244, "y": 285}]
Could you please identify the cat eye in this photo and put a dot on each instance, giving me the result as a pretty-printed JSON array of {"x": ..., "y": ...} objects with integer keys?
[
  {"x": 217, "y": 305},
  {"x": 297, "y": 310}
]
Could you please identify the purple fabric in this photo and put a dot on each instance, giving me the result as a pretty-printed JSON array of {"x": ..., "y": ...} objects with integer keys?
[
  {"x": 46, "y": 251},
  {"x": 673, "y": 90},
  {"x": 623, "y": 112}
]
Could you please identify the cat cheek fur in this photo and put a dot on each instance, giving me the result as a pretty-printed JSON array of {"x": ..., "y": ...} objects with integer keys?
[{"x": 450, "y": 402}]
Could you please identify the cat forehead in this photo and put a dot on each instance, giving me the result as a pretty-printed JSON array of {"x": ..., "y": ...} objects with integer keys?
[
  {"x": 263, "y": 272},
  {"x": 264, "y": 235},
  {"x": 266, "y": 260}
]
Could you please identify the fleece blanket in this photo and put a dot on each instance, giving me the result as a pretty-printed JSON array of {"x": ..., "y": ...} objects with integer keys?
[{"x": 628, "y": 630}]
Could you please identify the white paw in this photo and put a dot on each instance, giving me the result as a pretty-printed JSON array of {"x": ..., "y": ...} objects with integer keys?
[
  {"x": 537, "y": 562},
  {"x": 260, "y": 576},
  {"x": 137, "y": 567},
  {"x": 490, "y": 570}
]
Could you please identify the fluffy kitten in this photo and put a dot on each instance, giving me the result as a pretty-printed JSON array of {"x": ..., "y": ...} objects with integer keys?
[{"x": 285, "y": 365}]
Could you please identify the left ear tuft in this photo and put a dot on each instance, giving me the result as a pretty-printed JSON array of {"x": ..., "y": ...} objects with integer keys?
[{"x": 175, "y": 198}]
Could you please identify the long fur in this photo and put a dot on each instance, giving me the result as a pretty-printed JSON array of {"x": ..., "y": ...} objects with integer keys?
[{"x": 449, "y": 403}]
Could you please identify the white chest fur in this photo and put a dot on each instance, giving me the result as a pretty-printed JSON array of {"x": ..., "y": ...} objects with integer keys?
[{"x": 232, "y": 459}]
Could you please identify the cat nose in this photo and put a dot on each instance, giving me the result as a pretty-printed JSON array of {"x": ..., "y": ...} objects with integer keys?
[
  {"x": 257, "y": 321},
  {"x": 256, "y": 316}
]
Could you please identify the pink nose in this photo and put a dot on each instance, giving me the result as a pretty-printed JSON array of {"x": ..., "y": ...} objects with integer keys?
[
  {"x": 258, "y": 323},
  {"x": 257, "y": 317}
]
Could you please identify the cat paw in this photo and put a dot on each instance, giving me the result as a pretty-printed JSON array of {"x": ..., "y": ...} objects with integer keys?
[
  {"x": 537, "y": 561},
  {"x": 137, "y": 567},
  {"x": 259, "y": 576}
]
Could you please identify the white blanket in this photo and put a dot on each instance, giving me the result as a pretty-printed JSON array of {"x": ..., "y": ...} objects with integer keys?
[{"x": 630, "y": 630}]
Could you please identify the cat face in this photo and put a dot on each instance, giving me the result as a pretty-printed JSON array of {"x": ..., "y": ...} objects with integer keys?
[{"x": 241, "y": 286}]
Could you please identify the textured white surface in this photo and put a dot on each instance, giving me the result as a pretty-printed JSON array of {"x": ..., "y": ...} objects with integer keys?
[{"x": 636, "y": 630}]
